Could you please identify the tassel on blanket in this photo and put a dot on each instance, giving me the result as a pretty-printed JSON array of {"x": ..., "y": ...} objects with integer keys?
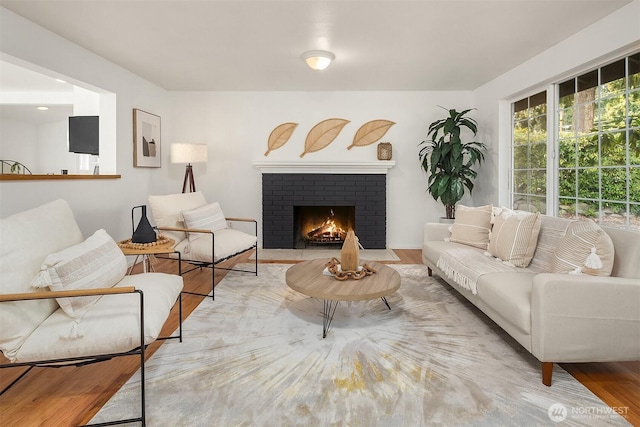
[
  {"x": 74, "y": 331},
  {"x": 593, "y": 261}
]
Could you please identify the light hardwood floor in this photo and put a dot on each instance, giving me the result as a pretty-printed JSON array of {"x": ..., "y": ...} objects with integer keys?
[{"x": 73, "y": 395}]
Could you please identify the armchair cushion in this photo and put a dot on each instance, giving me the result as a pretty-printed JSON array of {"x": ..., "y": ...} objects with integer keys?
[
  {"x": 227, "y": 242},
  {"x": 112, "y": 326},
  {"x": 167, "y": 211},
  {"x": 95, "y": 263},
  {"x": 27, "y": 238},
  {"x": 207, "y": 217}
]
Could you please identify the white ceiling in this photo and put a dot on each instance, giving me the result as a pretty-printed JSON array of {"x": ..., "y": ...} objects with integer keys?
[{"x": 257, "y": 45}]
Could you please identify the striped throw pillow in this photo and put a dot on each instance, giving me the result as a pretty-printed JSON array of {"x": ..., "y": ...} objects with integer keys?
[
  {"x": 97, "y": 262},
  {"x": 585, "y": 249},
  {"x": 207, "y": 217},
  {"x": 471, "y": 226},
  {"x": 514, "y": 237}
]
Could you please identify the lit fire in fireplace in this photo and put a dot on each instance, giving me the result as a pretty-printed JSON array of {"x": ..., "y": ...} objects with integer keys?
[{"x": 328, "y": 231}]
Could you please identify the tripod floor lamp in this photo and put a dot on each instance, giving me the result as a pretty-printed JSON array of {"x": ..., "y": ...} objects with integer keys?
[{"x": 188, "y": 153}]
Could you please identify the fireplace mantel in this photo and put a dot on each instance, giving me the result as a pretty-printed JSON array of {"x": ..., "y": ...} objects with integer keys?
[{"x": 375, "y": 167}]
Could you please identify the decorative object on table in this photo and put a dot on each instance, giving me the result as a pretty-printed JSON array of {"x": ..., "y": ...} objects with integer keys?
[
  {"x": 370, "y": 132},
  {"x": 146, "y": 140},
  {"x": 279, "y": 136},
  {"x": 188, "y": 153},
  {"x": 143, "y": 233},
  {"x": 162, "y": 241},
  {"x": 335, "y": 269},
  {"x": 350, "y": 252},
  {"x": 323, "y": 134},
  {"x": 448, "y": 161},
  {"x": 385, "y": 151}
]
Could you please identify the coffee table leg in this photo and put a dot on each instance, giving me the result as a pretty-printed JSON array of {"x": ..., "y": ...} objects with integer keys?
[
  {"x": 384, "y": 300},
  {"x": 329, "y": 309}
]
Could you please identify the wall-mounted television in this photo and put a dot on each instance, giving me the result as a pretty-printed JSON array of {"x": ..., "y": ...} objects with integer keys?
[{"x": 84, "y": 135}]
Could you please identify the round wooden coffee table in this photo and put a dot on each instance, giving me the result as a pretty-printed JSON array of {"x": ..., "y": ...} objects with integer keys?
[{"x": 307, "y": 278}]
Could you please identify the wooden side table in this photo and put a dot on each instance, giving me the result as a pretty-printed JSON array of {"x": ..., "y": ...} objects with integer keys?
[{"x": 147, "y": 254}]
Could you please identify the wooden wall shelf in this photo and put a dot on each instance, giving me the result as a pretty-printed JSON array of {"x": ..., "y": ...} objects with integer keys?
[{"x": 49, "y": 177}]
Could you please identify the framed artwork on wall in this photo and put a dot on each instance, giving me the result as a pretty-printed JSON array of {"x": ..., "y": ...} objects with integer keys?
[{"x": 147, "y": 148}]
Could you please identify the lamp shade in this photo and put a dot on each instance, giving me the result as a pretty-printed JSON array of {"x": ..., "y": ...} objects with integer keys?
[
  {"x": 188, "y": 153},
  {"x": 318, "y": 60}
]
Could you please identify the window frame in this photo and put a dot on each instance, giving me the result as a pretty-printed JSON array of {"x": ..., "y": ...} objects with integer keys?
[{"x": 553, "y": 141}]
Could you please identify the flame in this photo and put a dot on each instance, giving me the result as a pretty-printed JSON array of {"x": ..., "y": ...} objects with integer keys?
[{"x": 328, "y": 228}]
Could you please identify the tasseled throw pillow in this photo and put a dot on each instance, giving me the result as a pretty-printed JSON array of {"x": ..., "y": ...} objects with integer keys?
[{"x": 585, "y": 249}]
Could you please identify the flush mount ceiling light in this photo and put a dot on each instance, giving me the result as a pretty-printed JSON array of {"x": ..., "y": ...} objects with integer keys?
[{"x": 318, "y": 59}]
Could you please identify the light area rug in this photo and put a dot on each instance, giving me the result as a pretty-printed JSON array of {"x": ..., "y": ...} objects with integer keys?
[{"x": 255, "y": 357}]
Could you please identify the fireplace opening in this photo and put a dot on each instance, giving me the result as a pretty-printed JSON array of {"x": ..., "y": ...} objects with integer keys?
[{"x": 322, "y": 226}]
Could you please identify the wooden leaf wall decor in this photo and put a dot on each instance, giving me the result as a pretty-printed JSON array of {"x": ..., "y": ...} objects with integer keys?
[
  {"x": 323, "y": 134},
  {"x": 370, "y": 132},
  {"x": 279, "y": 136}
]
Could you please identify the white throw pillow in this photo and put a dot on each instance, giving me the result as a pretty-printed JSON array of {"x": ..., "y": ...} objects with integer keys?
[
  {"x": 514, "y": 237},
  {"x": 167, "y": 210},
  {"x": 97, "y": 262},
  {"x": 207, "y": 217},
  {"x": 472, "y": 225},
  {"x": 586, "y": 248}
]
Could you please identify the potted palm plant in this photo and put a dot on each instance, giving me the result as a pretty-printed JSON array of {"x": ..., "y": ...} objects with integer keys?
[{"x": 448, "y": 161}]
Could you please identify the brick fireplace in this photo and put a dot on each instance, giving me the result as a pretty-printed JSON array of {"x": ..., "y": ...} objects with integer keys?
[{"x": 287, "y": 189}]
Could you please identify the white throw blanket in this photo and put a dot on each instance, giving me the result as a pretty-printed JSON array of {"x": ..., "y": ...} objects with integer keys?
[{"x": 465, "y": 266}]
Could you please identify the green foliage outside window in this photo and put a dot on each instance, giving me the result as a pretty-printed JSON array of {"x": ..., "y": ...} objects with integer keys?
[{"x": 598, "y": 121}]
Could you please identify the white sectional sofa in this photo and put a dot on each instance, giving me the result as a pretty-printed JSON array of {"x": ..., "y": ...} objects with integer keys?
[
  {"x": 64, "y": 299},
  {"x": 558, "y": 317}
]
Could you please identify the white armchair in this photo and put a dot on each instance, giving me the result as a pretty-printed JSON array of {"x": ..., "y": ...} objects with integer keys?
[
  {"x": 91, "y": 311},
  {"x": 201, "y": 231}
]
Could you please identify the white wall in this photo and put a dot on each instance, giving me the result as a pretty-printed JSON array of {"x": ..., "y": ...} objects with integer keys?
[
  {"x": 96, "y": 203},
  {"x": 236, "y": 126},
  {"x": 612, "y": 36}
]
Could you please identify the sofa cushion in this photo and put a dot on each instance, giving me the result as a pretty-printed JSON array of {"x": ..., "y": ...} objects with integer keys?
[
  {"x": 207, "y": 217},
  {"x": 167, "y": 211},
  {"x": 97, "y": 262},
  {"x": 585, "y": 248},
  {"x": 27, "y": 238},
  {"x": 227, "y": 242},
  {"x": 509, "y": 294},
  {"x": 472, "y": 225},
  {"x": 514, "y": 236},
  {"x": 111, "y": 324}
]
